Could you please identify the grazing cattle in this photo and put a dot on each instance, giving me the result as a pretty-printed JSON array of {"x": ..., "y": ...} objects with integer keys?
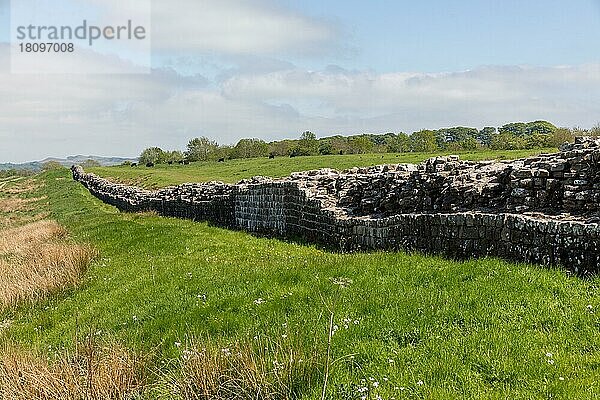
[
  {"x": 134, "y": 164},
  {"x": 271, "y": 157},
  {"x": 292, "y": 155},
  {"x": 150, "y": 164},
  {"x": 170, "y": 162},
  {"x": 222, "y": 159},
  {"x": 341, "y": 152},
  {"x": 180, "y": 162},
  {"x": 186, "y": 162}
]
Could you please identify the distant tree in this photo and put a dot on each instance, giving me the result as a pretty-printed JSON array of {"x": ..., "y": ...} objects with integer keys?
[
  {"x": 423, "y": 141},
  {"x": 484, "y": 136},
  {"x": 325, "y": 147},
  {"x": 223, "y": 151},
  {"x": 90, "y": 163},
  {"x": 518, "y": 129},
  {"x": 522, "y": 129},
  {"x": 154, "y": 155},
  {"x": 508, "y": 141},
  {"x": 308, "y": 145},
  {"x": 339, "y": 144},
  {"x": 281, "y": 148},
  {"x": 457, "y": 134},
  {"x": 51, "y": 166},
  {"x": 595, "y": 131},
  {"x": 175, "y": 156},
  {"x": 560, "y": 136},
  {"x": 540, "y": 128},
  {"x": 250, "y": 148},
  {"x": 361, "y": 144},
  {"x": 201, "y": 149},
  {"x": 400, "y": 143}
]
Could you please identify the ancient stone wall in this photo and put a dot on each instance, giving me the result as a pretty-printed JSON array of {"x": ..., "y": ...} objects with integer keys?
[{"x": 542, "y": 209}]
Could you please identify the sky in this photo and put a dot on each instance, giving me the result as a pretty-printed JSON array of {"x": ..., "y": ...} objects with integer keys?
[{"x": 230, "y": 69}]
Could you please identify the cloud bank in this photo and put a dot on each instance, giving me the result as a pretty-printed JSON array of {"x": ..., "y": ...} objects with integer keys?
[{"x": 266, "y": 95}]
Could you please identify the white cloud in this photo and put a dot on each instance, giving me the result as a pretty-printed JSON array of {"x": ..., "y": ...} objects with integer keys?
[
  {"x": 42, "y": 115},
  {"x": 237, "y": 27}
]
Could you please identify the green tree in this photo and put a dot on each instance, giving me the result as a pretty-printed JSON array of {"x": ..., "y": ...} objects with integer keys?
[
  {"x": 281, "y": 148},
  {"x": 250, "y": 148},
  {"x": 175, "y": 156},
  {"x": 484, "y": 136},
  {"x": 154, "y": 155},
  {"x": 508, "y": 141},
  {"x": 201, "y": 149},
  {"x": 400, "y": 143},
  {"x": 308, "y": 144},
  {"x": 361, "y": 145},
  {"x": 423, "y": 141}
]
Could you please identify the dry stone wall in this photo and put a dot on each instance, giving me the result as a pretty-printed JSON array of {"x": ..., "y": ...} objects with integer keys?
[{"x": 543, "y": 209}]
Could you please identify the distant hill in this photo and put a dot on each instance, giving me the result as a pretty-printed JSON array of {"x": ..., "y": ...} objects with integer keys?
[{"x": 67, "y": 162}]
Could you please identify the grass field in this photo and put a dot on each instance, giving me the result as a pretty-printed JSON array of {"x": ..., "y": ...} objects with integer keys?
[
  {"x": 235, "y": 170},
  {"x": 198, "y": 303}
]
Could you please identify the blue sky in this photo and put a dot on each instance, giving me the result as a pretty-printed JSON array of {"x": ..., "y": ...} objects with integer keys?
[
  {"x": 442, "y": 36},
  {"x": 229, "y": 69}
]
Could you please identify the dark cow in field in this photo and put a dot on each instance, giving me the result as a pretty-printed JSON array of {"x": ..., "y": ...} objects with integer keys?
[
  {"x": 170, "y": 162},
  {"x": 186, "y": 162},
  {"x": 293, "y": 155},
  {"x": 150, "y": 164},
  {"x": 272, "y": 157},
  {"x": 134, "y": 164},
  {"x": 222, "y": 159},
  {"x": 341, "y": 152}
]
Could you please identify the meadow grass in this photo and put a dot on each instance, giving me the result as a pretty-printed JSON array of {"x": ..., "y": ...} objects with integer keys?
[
  {"x": 234, "y": 170},
  {"x": 404, "y": 325}
]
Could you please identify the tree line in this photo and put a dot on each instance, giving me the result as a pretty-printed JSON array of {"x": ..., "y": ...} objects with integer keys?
[{"x": 512, "y": 136}]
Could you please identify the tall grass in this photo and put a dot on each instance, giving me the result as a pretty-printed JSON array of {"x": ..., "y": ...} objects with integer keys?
[
  {"x": 42, "y": 270},
  {"x": 92, "y": 371},
  {"x": 35, "y": 261},
  {"x": 258, "y": 369}
]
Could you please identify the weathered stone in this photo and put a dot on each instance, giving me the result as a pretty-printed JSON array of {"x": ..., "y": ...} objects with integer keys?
[{"x": 462, "y": 209}]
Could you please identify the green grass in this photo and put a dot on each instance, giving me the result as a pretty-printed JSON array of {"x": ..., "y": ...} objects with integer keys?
[
  {"x": 476, "y": 329},
  {"x": 235, "y": 170}
]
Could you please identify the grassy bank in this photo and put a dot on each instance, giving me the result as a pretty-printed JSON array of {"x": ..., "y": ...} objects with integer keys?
[
  {"x": 404, "y": 326},
  {"x": 234, "y": 170}
]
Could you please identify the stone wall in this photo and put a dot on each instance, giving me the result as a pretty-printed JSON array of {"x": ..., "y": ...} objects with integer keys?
[{"x": 542, "y": 209}]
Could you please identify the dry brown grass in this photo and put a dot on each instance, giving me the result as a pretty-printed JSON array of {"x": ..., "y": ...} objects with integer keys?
[
  {"x": 13, "y": 219},
  {"x": 91, "y": 372},
  {"x": 13, "y": 204},
  {"x": 35, "y": 261},
  {"x": 18, "y": 239},
  {"x": 39, "y": 271},
  {"x": 255, "y": 370},
  {"x": 27, "y": 186}
]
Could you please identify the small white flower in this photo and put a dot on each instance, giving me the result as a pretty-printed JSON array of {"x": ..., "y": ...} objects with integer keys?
[
  {"x": 549, "y": 355},
  {"x": 550, "y": 361},
  {"x": 560, "y": 378},
  {"x": 259, "y": 301},
  {"x": 420, "y": 383},
  {"x": 177, "y": 344},
  {"x": 284, "y": 336},
  {"x": 375, "y": 384}
]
